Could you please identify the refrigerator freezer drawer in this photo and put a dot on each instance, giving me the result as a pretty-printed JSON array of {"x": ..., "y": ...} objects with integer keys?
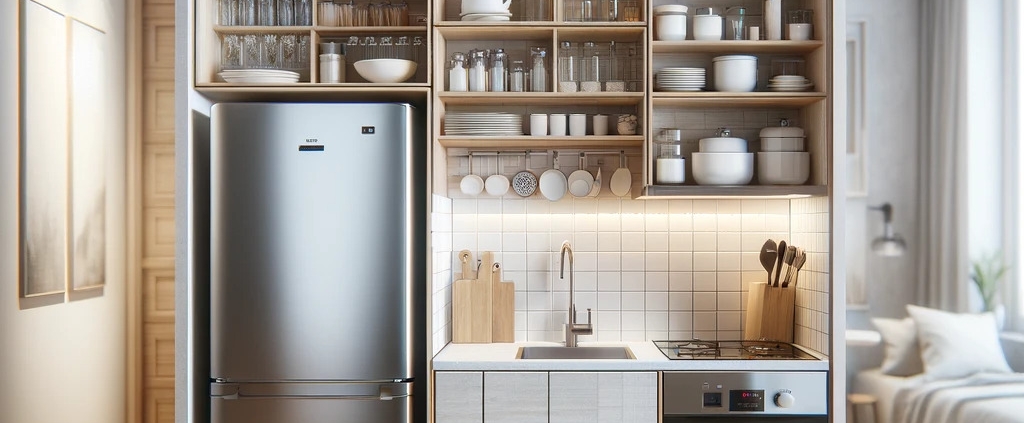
[{"x": 310, "y": 402}]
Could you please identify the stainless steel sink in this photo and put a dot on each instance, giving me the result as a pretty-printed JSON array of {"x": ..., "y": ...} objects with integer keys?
[{"x": 575, "y": 353}]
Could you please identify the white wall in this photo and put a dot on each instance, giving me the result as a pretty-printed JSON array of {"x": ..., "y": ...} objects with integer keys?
[
  {"x": 891, "y": 100},
  {"x": 65, "y": 362}
]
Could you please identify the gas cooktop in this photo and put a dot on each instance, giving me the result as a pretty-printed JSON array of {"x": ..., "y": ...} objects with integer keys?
[{"x": 695, "y": 349}]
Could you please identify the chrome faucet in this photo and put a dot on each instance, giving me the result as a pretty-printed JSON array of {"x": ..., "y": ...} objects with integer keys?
[{"x": 572, "y": 329}]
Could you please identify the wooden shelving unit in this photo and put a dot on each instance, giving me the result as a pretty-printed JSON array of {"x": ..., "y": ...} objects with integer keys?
[{"x": 546, "y": 142}]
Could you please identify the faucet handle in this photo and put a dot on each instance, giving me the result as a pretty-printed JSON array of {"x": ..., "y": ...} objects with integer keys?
[{"x": 588, "y": 315}]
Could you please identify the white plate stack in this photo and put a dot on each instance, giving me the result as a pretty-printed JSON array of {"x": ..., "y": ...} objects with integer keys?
[
  {"x": 260, "y": 76},
  {"x": 483, "y": 124},
  {"x": 789, "y": 83},
  {"x": 681, "y": 79},
  {"x": 486, "y": 17}
]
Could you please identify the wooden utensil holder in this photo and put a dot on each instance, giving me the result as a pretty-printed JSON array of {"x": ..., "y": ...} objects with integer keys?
[{"x": 770, "y": 313}]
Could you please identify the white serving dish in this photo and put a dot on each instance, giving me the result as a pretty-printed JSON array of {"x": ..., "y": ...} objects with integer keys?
[
  {"x": 722, "y": 168},
  {"x": 385, "y": 71},
  {"x": 783, "y": 167},
  {"x": 723, "y": 145},
  {"x": 735, "y": 73}
]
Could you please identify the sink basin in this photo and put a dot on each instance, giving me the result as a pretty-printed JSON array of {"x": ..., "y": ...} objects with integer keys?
[{"x": 576, "y": 353}]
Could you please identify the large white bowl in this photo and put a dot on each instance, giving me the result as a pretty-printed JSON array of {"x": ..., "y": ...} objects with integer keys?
[
  {"x": 385, "y": 71},
  {"x": 722, "y": 168},
  {"x": 783, "y": 167},
  {"x": 723, "y": 145},
  {"x": 735, "y": 73}
]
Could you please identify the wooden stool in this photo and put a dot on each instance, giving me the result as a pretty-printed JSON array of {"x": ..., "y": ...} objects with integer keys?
[{"x": 855, "y": 400}]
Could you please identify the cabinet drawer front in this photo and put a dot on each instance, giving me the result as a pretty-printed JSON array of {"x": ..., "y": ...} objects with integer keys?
[
  {"x": 516, "y": 397},
  {"x": 458, "y": 397}
]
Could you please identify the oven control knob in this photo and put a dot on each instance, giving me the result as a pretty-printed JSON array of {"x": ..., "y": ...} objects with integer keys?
[{"x": 784, "y": 399}]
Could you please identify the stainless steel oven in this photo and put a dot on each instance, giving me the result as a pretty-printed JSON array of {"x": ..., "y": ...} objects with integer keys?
[{"x": 738, "y": 395}]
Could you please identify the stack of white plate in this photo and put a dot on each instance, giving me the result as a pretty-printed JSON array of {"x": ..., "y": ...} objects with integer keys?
[
  {"x": 260, "y": 76},
  {"x": 681, "y": 79},
  {"x": 484, "y": 17},
  {"x": 789, "y": 83},
  {"x": 483, "y": 124}
]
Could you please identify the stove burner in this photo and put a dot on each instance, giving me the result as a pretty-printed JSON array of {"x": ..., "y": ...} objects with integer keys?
[{"x": 731, "y": 350}]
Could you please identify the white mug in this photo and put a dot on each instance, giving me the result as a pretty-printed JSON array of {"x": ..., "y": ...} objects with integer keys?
[
  {"x": 485, "y": 6},
  {"x": 600, "y": 125},
  {"x": 538, "y": 125},
  {"x": 799, "y": 31},
  {"x": 577, "y": 124},
  {"x": 556, "y": 124}
]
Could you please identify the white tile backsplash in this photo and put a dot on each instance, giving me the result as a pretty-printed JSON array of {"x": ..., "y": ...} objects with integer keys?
[{"x": 651, "y": 269}]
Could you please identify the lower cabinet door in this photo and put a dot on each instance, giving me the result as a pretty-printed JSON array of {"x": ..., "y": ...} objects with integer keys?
[
  {"x": 604, "y": 397},
  {"x": 516, "y": 397},
  {"x": 458, "y": 397}
]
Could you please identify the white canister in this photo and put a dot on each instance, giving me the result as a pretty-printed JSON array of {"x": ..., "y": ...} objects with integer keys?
[
  {"x": 538, "y": 124},
  {"x": 670, "y": 22},
  {"x": 707, "y": 24},
  {"x": 600, "y": 124},
  {"x": 331, "y": 68},
  {"x": 735, "y": 73},
  {"x": 577, "y": 124},
  {"x": 556, "y": 124}
]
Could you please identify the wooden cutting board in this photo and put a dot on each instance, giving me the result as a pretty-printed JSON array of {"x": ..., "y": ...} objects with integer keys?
[
  {"x": 471, "y": 301},
  {"x": 503, "y": 317}
]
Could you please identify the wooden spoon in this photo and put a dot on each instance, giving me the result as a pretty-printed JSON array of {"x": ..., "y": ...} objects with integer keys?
[
  {"x": 778, "y": 264},
  {"x": 769, "y": 254}
]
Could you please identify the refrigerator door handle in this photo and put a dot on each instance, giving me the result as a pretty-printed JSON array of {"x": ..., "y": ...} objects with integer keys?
[{"x": 384, "y": 392}]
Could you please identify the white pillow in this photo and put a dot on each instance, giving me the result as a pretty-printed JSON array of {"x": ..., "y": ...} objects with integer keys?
[
  {"x": 957, "y": 345},
  {"x": 902, "y": 356}
]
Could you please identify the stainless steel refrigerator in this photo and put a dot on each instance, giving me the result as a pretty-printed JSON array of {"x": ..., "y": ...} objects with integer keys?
[{"x": 317, "y": 263}]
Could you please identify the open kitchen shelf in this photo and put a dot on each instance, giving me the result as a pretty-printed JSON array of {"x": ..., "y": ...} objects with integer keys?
[
  {"x": 314, "y": 92},
  {"x": 541, "y": 99},
  {"x": 737, "y": 47},
  {"x": 736, "y": 100},
  {"x": 545, "y": 143},
  {"x": 749, "y": 191}
]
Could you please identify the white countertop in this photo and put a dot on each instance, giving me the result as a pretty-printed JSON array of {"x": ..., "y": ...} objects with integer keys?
[{"x": 502, "y": 357}]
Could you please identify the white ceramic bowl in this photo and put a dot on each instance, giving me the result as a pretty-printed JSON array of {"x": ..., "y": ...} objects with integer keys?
[
  {"x": 385, "y": 71},
  {"x": 496, "y": 185},
  {"x": 722, "y": 168},
  {"x": 735, "y": 73},
  {"x": 783, "y": 167},
  {"x": 553, "y": 184},
  {"x": 723, "y": 145},
  {"x": 782, "y": 144}
]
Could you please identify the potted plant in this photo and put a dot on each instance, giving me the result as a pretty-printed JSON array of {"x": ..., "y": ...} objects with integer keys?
[{"x": 987, "y": 274}]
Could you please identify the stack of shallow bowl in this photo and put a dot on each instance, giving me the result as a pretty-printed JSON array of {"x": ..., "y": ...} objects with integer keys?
[
  {"x": 723, "y": 160},
  {"x": 782, "y": 160}
]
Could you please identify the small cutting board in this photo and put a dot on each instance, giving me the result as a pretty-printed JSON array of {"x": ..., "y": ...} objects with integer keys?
[
  {"x": 503, "y": 317},
  {"x": 471, "y": 302}
]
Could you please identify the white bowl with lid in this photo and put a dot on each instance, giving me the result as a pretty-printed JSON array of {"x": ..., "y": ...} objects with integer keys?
[
  {"x": 782, "y": 138},
  {"x": 670, "y": 22},
  {"x": 722, "y": 168},
  {"x": 735, "y": 73},
  {"x": 723, "y": 143}
]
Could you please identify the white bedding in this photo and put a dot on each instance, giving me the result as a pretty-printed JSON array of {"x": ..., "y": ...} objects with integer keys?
[
  {"x": 981, "y": 398},
  {"x": 883, "y": 387}
]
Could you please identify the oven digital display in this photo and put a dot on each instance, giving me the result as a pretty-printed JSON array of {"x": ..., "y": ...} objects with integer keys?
[{"x": 746, "y": 400}]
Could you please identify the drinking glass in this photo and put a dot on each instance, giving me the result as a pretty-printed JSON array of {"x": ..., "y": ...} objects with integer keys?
[
  {"x": 228, "y": 12},
  {"x": 267, "y": 13},
  {"x": 246, "y": 13},
  {"x": 289, "y": 51},
  {"x": 270, "y": 51},
  {"x": 303, "y": 12},
  {"x": 286, "y": 12},
  {"x": 251, "y": 51},
  {"x": 230, "y": 52}
]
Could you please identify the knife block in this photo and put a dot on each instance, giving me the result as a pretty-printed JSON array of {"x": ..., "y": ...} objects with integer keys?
[{"x": 770, "y": 313}]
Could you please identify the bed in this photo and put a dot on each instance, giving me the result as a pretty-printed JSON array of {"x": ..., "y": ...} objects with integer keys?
[{"x": 957, "y": 386}]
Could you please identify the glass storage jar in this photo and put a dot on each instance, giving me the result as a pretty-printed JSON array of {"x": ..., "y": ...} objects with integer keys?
[{"x": 568, "y": 68}]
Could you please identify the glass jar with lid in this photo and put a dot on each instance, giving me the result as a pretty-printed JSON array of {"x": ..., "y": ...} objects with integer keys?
[
  {"x": 538, "y": 70},
  {"x": 517, "y": 76},
  {"x": 590, "y": 68},
  {"x": 477, "y": 71},
  {"x": 458, "y": 76},
  {"x": 670, "y": 165},
  {"x": 568, "y": 68},
  {"x": 499, "y": 64}
]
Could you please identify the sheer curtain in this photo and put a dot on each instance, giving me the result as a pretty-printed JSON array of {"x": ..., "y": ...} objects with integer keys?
[{"x": 943, "y": 265}]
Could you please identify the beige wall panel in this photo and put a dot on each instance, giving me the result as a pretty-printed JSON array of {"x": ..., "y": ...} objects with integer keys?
[
  {"x": 158, "y": 295},
  {"x": 158, "y": 165},
  {"x": 158, "y": 232},
  {"x": 158, "y": 358},
  {"x": 159, "y": 405},
  {"x": 158, "y": 111},
  {"x": 158, "y": 35}
]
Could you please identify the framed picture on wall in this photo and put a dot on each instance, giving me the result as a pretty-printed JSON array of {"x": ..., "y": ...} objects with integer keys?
[{"x": 62, "y": 182}]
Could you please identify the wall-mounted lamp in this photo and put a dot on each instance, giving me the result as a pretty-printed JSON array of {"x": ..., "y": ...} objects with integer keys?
[{"x": 889, "y": 244}]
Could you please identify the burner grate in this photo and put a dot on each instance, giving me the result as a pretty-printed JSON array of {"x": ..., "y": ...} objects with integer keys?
[{"x": 696, "y": 349}]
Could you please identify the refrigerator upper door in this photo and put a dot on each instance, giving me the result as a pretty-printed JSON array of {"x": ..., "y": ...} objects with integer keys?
[{"x": 311, "y": 242}]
